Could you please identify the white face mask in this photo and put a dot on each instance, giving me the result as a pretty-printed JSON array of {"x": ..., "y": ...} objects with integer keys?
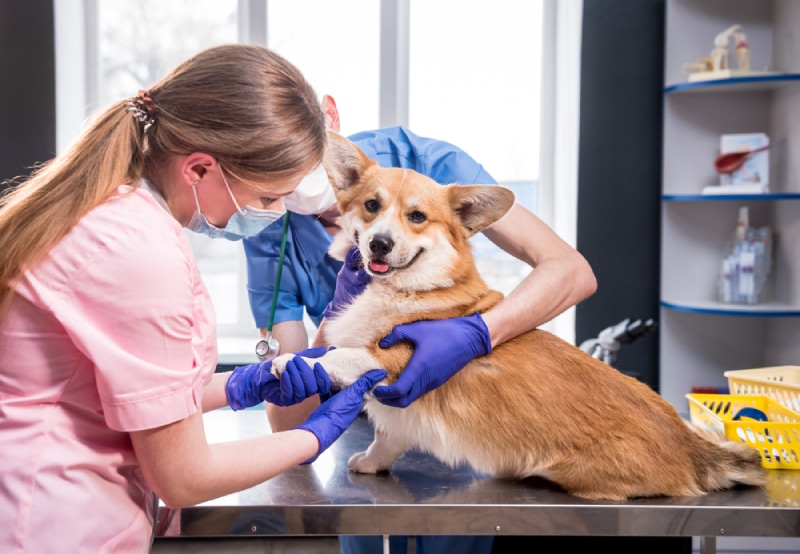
[
  {"x": 246, "y": 222},
  {"x": 313, "y": 196}
]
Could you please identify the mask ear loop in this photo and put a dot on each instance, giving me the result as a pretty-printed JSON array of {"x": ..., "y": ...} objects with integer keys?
[
  {"x": 273, "y": 346},
  {"x": 230, "y": 192}
]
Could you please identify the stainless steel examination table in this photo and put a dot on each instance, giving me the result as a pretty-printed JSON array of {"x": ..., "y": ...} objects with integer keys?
[{"x": 423, "y": 497}]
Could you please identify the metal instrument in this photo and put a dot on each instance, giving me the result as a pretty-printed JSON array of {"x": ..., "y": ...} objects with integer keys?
[{"x": 606, "y": 345}]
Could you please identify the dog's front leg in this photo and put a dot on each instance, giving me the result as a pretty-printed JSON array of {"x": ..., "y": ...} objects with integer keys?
[
  {"x": 344, "y": 365},
  {"x": 380, "y": 455}
]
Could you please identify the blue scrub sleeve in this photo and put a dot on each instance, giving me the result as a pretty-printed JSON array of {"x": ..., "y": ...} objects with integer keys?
[{"x": 443, "y": 162}]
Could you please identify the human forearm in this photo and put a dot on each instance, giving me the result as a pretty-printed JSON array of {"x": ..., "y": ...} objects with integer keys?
[
  {"x": 545, "y": 293},
  {"x": 561, "y": 276},
  {"x": 319, "y": 338},
  {"x": 214, "y": 394},
  {"x": 183, "y": 469},
  {"x": 289, "y": 417},
  {"x": 325, "y": 425},
  {"x": 245, "y": 463}
]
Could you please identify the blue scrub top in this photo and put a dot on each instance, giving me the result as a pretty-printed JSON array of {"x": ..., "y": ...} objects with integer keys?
[{"x": 309, "y": 274}]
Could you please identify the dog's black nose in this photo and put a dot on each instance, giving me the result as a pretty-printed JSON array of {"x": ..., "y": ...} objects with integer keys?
[{"x": 381, "y": 244}]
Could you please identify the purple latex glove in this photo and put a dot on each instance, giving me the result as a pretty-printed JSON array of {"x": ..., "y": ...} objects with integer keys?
[
  {"x": 350, "y": 283},
  {"x": 251, "y": 384},
  {"x": 441, "y": 348},
  {"x": 336, "y": 414}
]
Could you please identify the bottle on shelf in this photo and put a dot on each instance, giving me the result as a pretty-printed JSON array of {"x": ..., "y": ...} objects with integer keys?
[{"x": 746, "y": 261}]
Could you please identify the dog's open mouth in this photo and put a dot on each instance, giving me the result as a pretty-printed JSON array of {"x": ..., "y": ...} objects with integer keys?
[{"x": 377, "y": 266}]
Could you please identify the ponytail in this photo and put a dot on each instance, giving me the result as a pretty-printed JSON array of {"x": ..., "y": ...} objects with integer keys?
[{"x": 36, "y": 213}]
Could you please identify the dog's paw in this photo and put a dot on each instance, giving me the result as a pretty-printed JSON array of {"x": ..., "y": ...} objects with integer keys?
[
  {"x": 360, "y": 462},
  {"x": 279, "y": 364}
]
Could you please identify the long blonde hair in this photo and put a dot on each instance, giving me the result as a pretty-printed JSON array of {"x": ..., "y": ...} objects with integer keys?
[{"x": 243, "y": 104}]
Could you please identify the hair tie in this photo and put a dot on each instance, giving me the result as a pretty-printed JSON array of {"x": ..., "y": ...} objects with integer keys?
[{"x": 142, "y": 108}]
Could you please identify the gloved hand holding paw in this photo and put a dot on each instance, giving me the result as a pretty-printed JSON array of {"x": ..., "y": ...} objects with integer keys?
[{"x": 252, "y": 384}]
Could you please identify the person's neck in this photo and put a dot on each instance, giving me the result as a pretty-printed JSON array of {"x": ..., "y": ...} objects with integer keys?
[
  {"x": 329, "y": 219},
  {"x": 180, "y": 204}
]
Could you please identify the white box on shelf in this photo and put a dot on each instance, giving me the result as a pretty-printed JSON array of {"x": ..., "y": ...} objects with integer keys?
[
  {"x": 755, "y": 170},
  {"x": 742, "y": 188}
]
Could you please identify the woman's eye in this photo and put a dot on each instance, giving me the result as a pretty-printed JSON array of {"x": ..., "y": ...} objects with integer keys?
[
  {"x": 372, "y": 205},
  {"x": 266, "y": 203},
  {"x": 417, "y": 217}
]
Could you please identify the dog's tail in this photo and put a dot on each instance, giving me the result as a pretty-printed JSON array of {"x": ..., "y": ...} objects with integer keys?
[{"x": 726, "y": 463}]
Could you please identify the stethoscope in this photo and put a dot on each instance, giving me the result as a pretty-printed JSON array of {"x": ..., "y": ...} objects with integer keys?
[{"x": 269, "y": 347}]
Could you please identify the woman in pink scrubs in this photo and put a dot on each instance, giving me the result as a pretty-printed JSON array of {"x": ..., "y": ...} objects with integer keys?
[{"x": 107, "y": 333}]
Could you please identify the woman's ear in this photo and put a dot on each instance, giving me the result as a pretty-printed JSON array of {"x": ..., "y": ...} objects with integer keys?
[{"x": 196, "y": 166}]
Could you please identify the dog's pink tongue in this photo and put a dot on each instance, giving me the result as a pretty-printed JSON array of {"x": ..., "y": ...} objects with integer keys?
[{"x": 378, "y": 267}]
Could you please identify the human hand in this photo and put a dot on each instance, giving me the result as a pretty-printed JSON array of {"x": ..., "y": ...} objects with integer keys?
[
  {"x": 350, "y": 282},
  {"x": 336, "y": 414},
  {"x": 441, "y": 348},
  {"x": 250, "y": 385}
]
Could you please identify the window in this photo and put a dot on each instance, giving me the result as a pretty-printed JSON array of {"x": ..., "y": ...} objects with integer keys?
[
  {"x": 475, "y": 82},
  {"x": 464, "y": 71},
  {"x": 138, "y": 42},
  {"x": 337, "y": 47}
]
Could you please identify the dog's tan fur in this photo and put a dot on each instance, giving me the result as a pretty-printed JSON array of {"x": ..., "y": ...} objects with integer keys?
[{"x": 536, "y": 405}]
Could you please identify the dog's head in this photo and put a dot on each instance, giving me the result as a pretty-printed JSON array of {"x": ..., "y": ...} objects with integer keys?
[{"x": 408, "y": 228}]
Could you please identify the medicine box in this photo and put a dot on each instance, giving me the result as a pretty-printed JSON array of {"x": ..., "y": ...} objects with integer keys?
[{"x": 754, "y": 174}]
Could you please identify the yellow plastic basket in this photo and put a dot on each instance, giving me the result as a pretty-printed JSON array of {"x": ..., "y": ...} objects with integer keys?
[
  {"x": 780, "y": 383},
  {"x": 777, "y": 440},
  {"x": 783, "y": 488}
]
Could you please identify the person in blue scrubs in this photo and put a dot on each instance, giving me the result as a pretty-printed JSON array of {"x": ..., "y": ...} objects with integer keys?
[{"x": 561, "y": 278}]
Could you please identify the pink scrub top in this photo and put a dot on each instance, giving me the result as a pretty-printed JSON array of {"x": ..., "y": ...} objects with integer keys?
[{"x": 113, "y": 332}]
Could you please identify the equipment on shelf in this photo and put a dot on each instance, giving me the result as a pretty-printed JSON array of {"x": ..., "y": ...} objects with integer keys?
[{"x": 606, "y": 345}]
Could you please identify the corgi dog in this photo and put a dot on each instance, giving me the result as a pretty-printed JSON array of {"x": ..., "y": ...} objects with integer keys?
[{"x": 536, "y": 405}]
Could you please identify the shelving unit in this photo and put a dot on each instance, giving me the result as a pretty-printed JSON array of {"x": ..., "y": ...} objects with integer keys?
[{"x": 701, "y": 338}]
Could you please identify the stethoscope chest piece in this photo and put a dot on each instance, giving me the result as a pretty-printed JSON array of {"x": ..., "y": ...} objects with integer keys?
[{"x": 267, "y": 347}]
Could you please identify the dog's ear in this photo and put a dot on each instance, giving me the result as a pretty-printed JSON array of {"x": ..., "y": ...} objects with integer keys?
[
  {"x": 344, "y": 162},
  {"x": 478, "y": 206}
]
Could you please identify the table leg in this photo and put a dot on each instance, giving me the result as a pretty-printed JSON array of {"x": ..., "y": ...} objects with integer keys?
[{"x": 708, "y": 545}]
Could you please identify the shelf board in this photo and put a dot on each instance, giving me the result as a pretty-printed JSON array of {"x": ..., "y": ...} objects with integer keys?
[
  {"x": 730, "y": 197},
  {"x": 736, "y": 84},
  {"x": 744, "y": 310}
]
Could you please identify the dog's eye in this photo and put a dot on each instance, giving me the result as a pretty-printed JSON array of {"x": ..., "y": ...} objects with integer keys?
[
  {"x": 372, "y": 205},
  {"x": 417, "y": 217}
]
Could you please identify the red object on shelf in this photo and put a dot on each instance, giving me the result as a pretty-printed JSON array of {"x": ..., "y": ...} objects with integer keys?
[{"x": 730, "y": 162}]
